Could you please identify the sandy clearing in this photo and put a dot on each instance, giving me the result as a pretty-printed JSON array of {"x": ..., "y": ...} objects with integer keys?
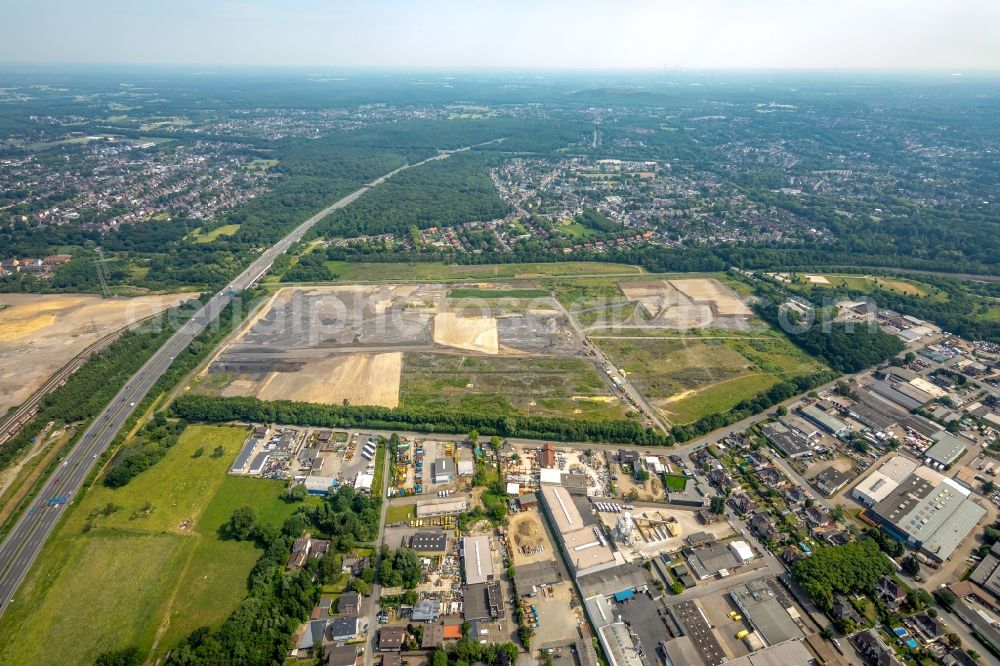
[
  {"x": 361, "y": 379},
  {"x": 679, "y": 396},
  {"x": 817, "y": 279},
  {"x": 724, "y": 299},
  {"x": 39, "y": 334},
  {"x": 471, "y": 333}
]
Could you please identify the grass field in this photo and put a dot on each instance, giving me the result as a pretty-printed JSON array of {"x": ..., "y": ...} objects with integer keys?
[
  {"x": 397, "y": 513},
  {"x": 675, "y": 482},
  {"x": 992, "y": 314},
  {"x": 687, "y": 378},
  {"x": 124, "y": 566},
  {"x": 870, "y": 284},
  {"x": 577, "y": 231},
  {"x": 224, "y": 230},
  {"x": 511, "y": 385},
  {"x": 367, "y": 272}
]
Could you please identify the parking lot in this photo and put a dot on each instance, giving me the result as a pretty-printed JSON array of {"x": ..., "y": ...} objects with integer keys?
[
  {"x": 557, "y": 621},
  {"x": 641, "y": 614}
]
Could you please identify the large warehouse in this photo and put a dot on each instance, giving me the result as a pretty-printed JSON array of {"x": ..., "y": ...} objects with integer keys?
[
  {"x": 587, "y": 550},
  {"x": 930, "y": 511}
]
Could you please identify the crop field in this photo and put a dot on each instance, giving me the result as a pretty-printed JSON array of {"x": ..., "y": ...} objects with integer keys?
[
  {"x": 497, "y": 385},
  {"x": 686, "y": 378},
  {"x": 142, "y": 561}
]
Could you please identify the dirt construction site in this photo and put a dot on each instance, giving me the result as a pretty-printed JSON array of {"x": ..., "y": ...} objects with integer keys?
[
  {"x": 39, "y": 334},
  {"x": 337, "y": 343},
  {"x": 685, "y": 304}
]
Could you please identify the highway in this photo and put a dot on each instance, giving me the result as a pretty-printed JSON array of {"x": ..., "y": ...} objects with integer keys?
[{"x": 25, "y": 540}]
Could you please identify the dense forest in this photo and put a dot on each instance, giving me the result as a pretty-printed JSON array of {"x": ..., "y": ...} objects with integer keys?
[
  {"x": 850, "y": 569},
  {"x": 440, "y": 193}
]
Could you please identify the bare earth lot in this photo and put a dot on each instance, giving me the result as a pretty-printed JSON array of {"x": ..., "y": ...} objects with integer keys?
[
  {"x": 334, "y": 343},
  {"x": 361, "y": 379},
  {"x": 531, "y": 543},
  {"x": 684, "y": 304},
  {"x": 39, "y": 334}
]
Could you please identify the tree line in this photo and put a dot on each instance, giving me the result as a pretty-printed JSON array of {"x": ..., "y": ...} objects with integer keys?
[{"x": 217, "y": 409}]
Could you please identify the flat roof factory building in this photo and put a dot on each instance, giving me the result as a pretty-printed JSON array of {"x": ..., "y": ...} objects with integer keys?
[{"x": 585, "y": 547}]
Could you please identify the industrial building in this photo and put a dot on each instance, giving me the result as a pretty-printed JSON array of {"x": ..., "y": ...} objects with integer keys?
[
  {"x": 613, "y": 634},
  {"x": 584, "y": 545},
  {"x": 768, "y": 611},
  {"x": 426, "y": 610},
  {"x": 483, "y": 601},
  {"x": 477, "y": 559},
  {"x": 429, "y": 543},
  {"x": 444, "y": 470},
  {"x": 831, "y": 424},
  {"x": 319, "y": 485},
  {"x": 789, "y": 652},
  {"x": 930, "y": 511},
  {"x": 791, "y": 442},
  {"x": 363, "y": 482},
  {"x": 431, "y": 508},
  {"x": 531, "y": 577},
  {"x": 946, "y": 449},
  {"x": 987, "y": 573}
]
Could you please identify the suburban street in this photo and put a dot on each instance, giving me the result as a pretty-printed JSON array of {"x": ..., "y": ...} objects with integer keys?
[{"x": 28, "y": 536}]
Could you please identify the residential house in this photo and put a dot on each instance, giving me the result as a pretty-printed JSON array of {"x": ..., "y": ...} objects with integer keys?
[
  {"x": 304, "y": 548},
  {"x": 843, "y": 610},
  {"x": 354, "y": 565},
  {"x": 742, "y": 504},
  {"x": 762, "y": 525},
  {"x": 341, "y": 655},
  {"x": 795, "y": 495},
  {"x": 343, "y": 628},
  {"x": 791, "y": 555},
  {"x": 830, "y": 480},
  {"x": 721, "y": 480},
  {"x": 770, "y": 476},
  {"x": 391, "y": 639},
  {"x": 891, "y": 592},
  {"x": 816, "y": 517},
  {"x": 349, "y": 604},
  {"x": 873, "y": 650},
  {"x": 930, "y": 628}
]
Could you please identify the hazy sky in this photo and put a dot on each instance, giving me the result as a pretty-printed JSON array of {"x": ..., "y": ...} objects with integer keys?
[{"x": 804, "y": 34}]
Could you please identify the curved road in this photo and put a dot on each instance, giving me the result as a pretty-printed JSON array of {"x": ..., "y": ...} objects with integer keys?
[{"x": 26, "y": 539}]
